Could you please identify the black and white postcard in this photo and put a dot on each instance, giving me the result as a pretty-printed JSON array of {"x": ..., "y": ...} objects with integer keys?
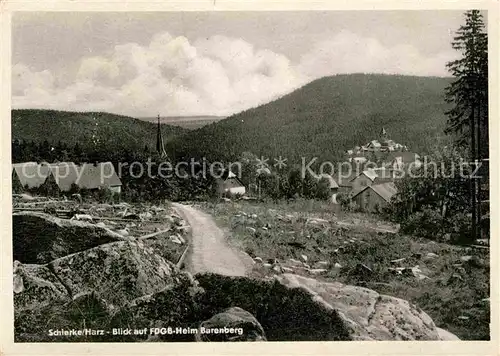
[{"x": 181, "y": 177}]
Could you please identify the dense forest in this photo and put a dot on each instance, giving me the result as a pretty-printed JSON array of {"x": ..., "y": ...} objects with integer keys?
[
  {"x": 91, "y": 130},
  {"x": 326, "y": 117}
]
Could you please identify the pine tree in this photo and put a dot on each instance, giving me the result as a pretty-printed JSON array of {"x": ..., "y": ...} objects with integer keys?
[
  {"x": 468, "y": 119},
  {"x": 469, "y": 92}
]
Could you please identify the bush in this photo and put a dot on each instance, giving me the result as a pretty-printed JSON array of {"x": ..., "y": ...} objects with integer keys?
[{"x": 426, "y": 223}]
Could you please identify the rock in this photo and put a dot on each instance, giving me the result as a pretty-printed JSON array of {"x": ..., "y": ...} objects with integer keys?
[
  {"x": 175, "y": 239},
  {"x": 430, "y": 256},
  {"x": 337, "y": 265},
  {"x": 366, "y": 314},
  {"x": 100, "y": 224},
  {"x": 239, "y": 324},
  {"x": 463, "y": 317},
  {"x": 35, "y": 286},
  {"x": 253, "y": 216},
  {"x": 264, "y": 228},
  {"x": 40, "y": 238},
  {"x": 317, "y": 270},
  {"x": 287, "y": 269},
  {"x": 294, "y": 262},
  {"x": 398, "y": 261},
  {"x": 251, "y": 229},
  {"x": 304, "y": 258},
  {"x": 117, "y": 272},
  {"x": 145, "y": 216},
  {"x": 445, "y": 335},
  {"x": 84, "y": 217},
  {"x": 277, "y": 269},
  {"x": 227, "y": 200},
  {"x": 258, "y": 259},
  {"x": 317, "y": 221},
  {"x": 181, "y": 239},
  {"x": 123, "y": 232},
  {"x": 465, "y": 258},
  {"x": 267, "y": 265}
]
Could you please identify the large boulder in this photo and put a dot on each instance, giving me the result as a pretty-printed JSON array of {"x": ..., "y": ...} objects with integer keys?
[
  {"x": 117, "y": 272},
  {"x": 367, "y": 314},
  {"x": 233, "y": 324},
  {"x": 36, "y": 286},
  {"x": 40, "y": 238}
]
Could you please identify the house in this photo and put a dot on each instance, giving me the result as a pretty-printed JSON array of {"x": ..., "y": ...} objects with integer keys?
[
  {"x": 100, "y": 175},
  {"x": 333, "y": 185},
  {"x": 402, "y": 160},
  {"x": 373, "y": 145},
  {"x": 229, "y": 184},
  {"x": 29, "y": 174},
  {"x": 362, "y": 180},
  {"x": 65, "y": 174},
  {"x": 374, "y": 197}
]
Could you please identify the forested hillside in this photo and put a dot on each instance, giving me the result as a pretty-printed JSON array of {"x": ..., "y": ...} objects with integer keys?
[
  {"x": 88, "y": 129},
  {"x": 326, "y": 117}
]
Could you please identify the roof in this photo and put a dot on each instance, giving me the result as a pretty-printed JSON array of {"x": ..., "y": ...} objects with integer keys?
[
  {"x": 369, "y": 173},
  {"x": 95, "y": 176},
  {"x": 385, "y": 190},
  {"x": 31, "y": 174},
  {"x": 88, "y": 176},
  {"x": 406, "y": 157},
  {"x": 331, "y": 180}
]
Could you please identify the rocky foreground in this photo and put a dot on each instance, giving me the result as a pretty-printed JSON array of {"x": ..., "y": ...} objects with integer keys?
[{"x": 114, "y": 289}]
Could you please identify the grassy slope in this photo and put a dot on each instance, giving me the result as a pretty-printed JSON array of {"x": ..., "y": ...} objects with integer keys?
[
  {"x": 113, "y": 130},
  {"x": 448, "y": 299},
  {"x": 328, "y": 116}
]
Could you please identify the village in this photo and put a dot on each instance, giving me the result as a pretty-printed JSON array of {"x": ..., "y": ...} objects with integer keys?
[{"x": 369, "y": 184}]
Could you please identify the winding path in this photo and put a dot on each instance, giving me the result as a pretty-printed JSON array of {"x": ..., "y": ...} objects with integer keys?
[{"x": 209, "y": 251}]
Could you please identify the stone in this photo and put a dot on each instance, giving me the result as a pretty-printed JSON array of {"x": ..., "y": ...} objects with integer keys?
[
  {"x": 317, "y": 271},
  {"x": 241, "y": 324},
  {"x": 337, "y": 265},
  {"x": 287, "y": 269},
  {"x": 317, "y": 221},
  {"x": 445, "y": 335},
  {"x": 398, "y": 261},
  {"x": 40, "y": 238},
  {"x": 175, "y": 239},
  {"x": 36, "y": 286},
  {"x": 251, "y": 229},
  {"x": 366, "y": 314},
  {"x": 85, "y": 217},
  {"x": 267, "y": 265},
  {"x": 277, "y": 269},
  {"x": 294, "y": 262},
  {"x": 253, "y": 216},
  {"x": 465, "y": 258},
  {"x": 304, "y": 258},
  {"x": 117, "y": 272},
  {"x": 258, "y": 259}
]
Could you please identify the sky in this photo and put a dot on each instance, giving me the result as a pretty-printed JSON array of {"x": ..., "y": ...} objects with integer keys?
[{"x": 212, "y": 63}]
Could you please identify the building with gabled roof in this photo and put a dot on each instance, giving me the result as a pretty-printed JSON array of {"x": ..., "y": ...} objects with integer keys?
[
  {"x": 87, "y": 176},
  {"x": 375, "y": 197}
]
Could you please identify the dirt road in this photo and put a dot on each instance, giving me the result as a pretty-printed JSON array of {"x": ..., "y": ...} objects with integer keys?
[{"x": 210, "y": 252}]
